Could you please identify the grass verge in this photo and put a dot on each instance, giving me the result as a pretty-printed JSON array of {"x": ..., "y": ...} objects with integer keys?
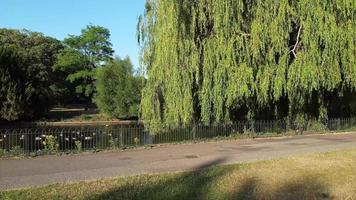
[{"x": 318, "y": 176}]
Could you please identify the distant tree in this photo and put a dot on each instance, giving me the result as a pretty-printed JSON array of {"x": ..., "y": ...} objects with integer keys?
[
  {"x": 26, "y": 61},
  {"x": 82, "y": 56},
  {"x": 118, "y": 90},
  {"x": 11, "y": 93}
]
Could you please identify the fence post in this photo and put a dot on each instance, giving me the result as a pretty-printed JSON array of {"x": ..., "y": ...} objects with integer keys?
[
  {"x": 121, "y": 138},
  {"x": 27, "y": 138},
  {"x": 195, "y": 130},
  {"x": 148, "y": 137}
]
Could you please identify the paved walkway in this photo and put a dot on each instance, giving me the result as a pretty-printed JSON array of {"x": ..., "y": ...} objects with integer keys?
[{"x": 19, "y": 173}]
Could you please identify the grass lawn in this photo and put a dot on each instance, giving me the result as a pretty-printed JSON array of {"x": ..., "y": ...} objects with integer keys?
[{"x": 318, "y": 176}]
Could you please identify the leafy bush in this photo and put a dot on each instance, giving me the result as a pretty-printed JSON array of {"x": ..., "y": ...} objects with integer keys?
[
  {"x": 78, "y": 145},
  {"x": 300, "y": 123},
  {"x": 136, "y": 141},
  {"x": 50, "y": 144},
  {"x": 113, "y": 142},
  {"x": 3, "y": 152},
  {"x": 16, "y": 150},
  {"x": 248, "y": 133},
  {"x": 316, "y": 126}
]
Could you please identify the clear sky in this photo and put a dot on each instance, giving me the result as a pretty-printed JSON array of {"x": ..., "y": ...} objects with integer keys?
[{"x": 58, "y": 18}]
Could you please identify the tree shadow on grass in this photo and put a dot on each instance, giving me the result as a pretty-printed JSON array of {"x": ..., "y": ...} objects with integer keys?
[
  {"x": 189, "y": 185},
  {"x": 306, "y": 187},
  {"x": 198, "y": 184}
]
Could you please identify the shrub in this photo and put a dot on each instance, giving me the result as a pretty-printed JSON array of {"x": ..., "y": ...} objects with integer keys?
[
  {"x": 137, "y": 141},
  {"x": 50, "y": 144},
  {"x": 299, "y": 123},
  {"x": 113, "y": 142},
  {"x": 248, "y": 133},
  {"x": 78, "y": 145},
  {"x": 3, "y": 152},
  {"x": 316, "y": 126},
  {"x": 16, "y": 150}
]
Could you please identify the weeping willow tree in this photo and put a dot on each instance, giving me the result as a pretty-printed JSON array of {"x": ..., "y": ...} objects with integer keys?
[{"x": 211, "y": 61}]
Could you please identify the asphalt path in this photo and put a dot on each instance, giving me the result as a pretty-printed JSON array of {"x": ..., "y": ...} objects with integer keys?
[{"x": 43, "y": 170}]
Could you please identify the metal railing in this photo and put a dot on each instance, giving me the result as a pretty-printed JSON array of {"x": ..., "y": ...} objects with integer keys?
[{"x": 37, "y": 140}]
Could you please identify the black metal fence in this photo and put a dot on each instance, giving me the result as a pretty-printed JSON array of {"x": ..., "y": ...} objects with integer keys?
[{"x": 45, "y": 139}]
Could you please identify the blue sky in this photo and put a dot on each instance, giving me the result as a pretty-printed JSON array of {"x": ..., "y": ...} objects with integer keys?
[{"x": 58, "y": 18}]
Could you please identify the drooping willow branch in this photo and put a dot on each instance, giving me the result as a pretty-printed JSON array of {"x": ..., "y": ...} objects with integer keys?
[{"x": 219, "y": 61}]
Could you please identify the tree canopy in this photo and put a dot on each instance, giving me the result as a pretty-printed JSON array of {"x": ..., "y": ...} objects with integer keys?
[
  {"x": 26, "y": 60},
  {"x": 82, "y": 56},
  {"x": 218, "y": 61},
  {"x": 118, "y": 89},
  {"x": 37, "y": 72}
]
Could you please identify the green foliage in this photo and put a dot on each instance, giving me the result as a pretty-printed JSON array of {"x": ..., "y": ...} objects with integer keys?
[
  {"x": 118, "y": 89},
  {"x": 217, "y": 61},
  {"x": 26, "y": 60},
  {"x": 136, "y": 141},
  {"x": 248, "y": 133},
  {"x": 113, "y": 142},
  {"x": 50, "y": 144},
  {"x": 300, "y": 123},
  {"x": 78, "y": 145},
  {"x": 317, "y": 126},
  {"x": 82, "y": 56},
  {"x": 12, "y": 106},
  {"x": 3, "y": 152},
  {"x": 16, "y": 151}
]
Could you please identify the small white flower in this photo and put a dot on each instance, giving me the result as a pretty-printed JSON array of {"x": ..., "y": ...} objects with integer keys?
[{"x": 38, "y": 138}]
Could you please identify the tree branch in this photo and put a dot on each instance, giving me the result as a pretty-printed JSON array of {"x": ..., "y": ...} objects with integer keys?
[
  {"x": 296, "y": 43},
  {"x": 243, "y": 34}
]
